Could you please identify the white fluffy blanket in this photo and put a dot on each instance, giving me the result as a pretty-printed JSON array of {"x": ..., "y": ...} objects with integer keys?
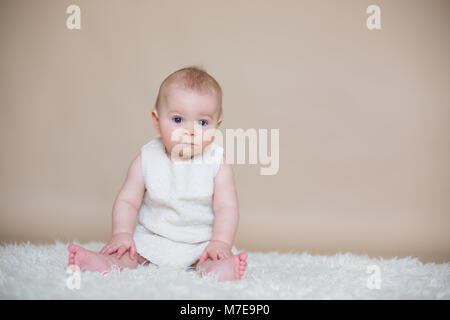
[{"x": 30, "y": 271}]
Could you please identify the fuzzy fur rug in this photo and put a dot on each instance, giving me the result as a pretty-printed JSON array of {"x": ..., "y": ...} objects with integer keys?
[{"x": 30, "y": 271}]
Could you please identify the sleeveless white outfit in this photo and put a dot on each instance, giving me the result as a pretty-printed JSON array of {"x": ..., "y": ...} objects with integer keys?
[{"x": 176, "y": 216}]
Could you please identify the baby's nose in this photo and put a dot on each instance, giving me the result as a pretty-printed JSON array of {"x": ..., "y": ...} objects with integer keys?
[{"x": 191, "y": 128}]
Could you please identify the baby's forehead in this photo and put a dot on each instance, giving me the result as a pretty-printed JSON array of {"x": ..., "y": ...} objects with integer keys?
[
  {"x": 181, "y": 88},
  {"x": 175, "y": 93}
]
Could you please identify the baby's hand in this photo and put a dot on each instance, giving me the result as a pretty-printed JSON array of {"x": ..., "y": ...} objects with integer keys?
[
  {"x": 216, "y": 249},
  {"x": 120, "y": 243}
]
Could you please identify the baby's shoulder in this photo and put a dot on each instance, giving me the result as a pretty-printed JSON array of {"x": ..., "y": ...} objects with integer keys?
[
  {"x": 152, "y": 148},
  {"x": 152, "y": 144}
]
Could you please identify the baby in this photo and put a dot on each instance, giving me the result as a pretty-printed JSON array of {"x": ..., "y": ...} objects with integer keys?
[{"x": 181, "y": 189}]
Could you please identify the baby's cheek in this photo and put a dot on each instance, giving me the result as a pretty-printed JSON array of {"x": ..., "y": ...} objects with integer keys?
[
  {"x": 205, "y": 145},
  {"x": 208, "y": 137},
  {"x": 168, "y": 136}
]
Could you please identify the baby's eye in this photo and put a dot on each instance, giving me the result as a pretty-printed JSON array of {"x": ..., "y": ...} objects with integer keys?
[
  {"x": 176, "y": 119},
  {"x": 203, "y": 122}
]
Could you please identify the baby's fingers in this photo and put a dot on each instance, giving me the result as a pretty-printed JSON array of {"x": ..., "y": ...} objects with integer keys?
[
  {"x": 111, "y": 250},
  {"x": 203, "y": 257},
  {"x": 121, "y": 251},
  {"x": 132, "y": 252},
  {"x": 104, "y": 249},
  {"x": 215, "y": 256}
]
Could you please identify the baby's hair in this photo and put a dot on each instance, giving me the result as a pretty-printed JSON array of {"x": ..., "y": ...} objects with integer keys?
[{"x": 191, "y": 78}]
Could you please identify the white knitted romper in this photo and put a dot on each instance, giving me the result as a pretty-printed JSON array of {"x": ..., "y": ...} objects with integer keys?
[{"x": 176, "y": 216}]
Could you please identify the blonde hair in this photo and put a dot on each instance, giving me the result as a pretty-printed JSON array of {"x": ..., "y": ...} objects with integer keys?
[{"x": 191, "y": 78}]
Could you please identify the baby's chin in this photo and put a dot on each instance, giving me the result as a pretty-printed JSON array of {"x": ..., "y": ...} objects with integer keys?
[{"x": 186, "y": 152}]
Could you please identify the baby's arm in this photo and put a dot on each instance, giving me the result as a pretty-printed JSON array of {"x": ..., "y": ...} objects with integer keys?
[
  {"x": 125, "y": 209},
  {"x": 226, "y": 215},
  {"x": 129, "y": 199},
  {"x": 225, "y": 205}
]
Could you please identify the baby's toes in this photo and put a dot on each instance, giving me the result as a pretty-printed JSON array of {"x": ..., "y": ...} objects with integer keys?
[
  {"x": 71, "y": 258},
  {"x": 242, "y": 256},
  {"x": 241, "y": 271},
  {"x": 73, "y": 248}
]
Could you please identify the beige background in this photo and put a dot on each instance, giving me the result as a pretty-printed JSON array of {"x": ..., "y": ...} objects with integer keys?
[{"x": 363, "y": 116}]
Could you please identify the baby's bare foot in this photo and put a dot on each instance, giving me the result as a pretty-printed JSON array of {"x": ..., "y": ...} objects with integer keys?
[
  {"x": 231, "y": 268},
  {"x": 88, "y": 260}
]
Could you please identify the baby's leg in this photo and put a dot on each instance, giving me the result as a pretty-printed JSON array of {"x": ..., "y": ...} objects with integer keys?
[
  {"x": 231, "y": 268},
  {"x": 93, "y": 261}
]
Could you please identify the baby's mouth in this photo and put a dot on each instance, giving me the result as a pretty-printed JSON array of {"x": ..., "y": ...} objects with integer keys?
[{"x": 188, "y": 142}]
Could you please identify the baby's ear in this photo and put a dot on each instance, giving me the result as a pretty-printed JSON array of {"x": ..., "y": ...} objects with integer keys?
[
  {"x": 218, "y": 122},
  {"x": 156, "y": 120}
]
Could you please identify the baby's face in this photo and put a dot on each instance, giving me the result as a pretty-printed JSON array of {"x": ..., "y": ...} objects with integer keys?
[{"x": 186, "y": 122}]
